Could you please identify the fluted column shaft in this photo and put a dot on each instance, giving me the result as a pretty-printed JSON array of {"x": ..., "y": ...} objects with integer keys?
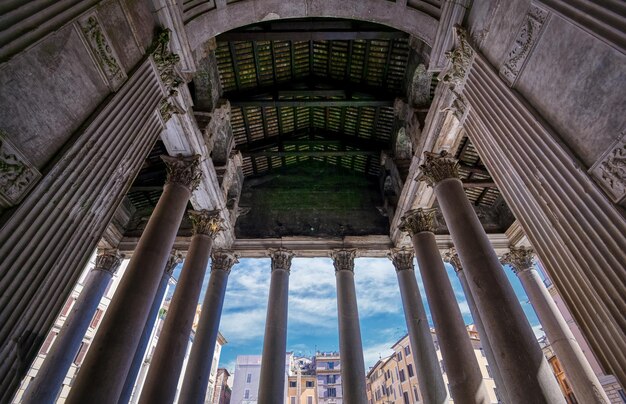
[
  {"x": 103, "y": 373},
  {"x": 424, "y": 353},
  {"x": 523, "y": 367},
  {"x": 167, "y": 362},
  {"x": 582, "y": 379},
  {"x": 198, "y": 371},
  {"x": 350, "y": 344},
  {"x": 140, "y": 353},
  {"x": 272, "y": 378},
  {"x": 49, "y": 379}
]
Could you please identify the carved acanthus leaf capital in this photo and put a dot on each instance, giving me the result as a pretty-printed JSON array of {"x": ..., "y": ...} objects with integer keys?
[
  {"x": 343, "y": 259},
  {"x": 460, "y": 60},
  {"x": 207, "y": 222},
  {"x": 520, "y": 259},
  {"x": 402, "y": 258},
  {"x": 452, "y": 258},
  {"x": 168, "y": 108},
  {"x": 438, "y": 167},
  {"x": 183, "y": 170},
  {"x": 281, "y": 258},
  {"x": 418, "y": 220},
  {"x": 223, "y": 260},
  {"x": 109, "y": 260},
  {"x": 166, "y": 61},
  {"x": 175, "y": 258}
]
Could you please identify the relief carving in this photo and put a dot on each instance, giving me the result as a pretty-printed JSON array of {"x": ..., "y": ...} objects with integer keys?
[
  {"x": 610, "y": 170},
  {"x": 104, "y": 53},
  {"x": 460, "y": 60},
  {"x": 526, "y": 39},
  {"x": 17, "y": 175},
  {"x": 165, "y": 62}
]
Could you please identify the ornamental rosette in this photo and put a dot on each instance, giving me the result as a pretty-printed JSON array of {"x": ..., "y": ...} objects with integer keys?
[
  {"x": 175, "y": 258},
  {"x": 453, "y": 259},
  {"x": 223, "y": 260},
  {"x": 207, "y": 222},
  {"x": 402, "y": 258},
  {"x": 520, "y": 259},
  {"x": 183, "y": 170},
  {"x": 343, "y": 259},
  {"x": 418, "y": 220},
  {"x": 281, "y": 258},
  {"x": 109, "y": 260},
  {"x": 437, "y": 167}
]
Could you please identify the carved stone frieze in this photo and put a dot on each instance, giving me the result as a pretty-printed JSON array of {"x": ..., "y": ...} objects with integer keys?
[
  {"x": 281, "y": 258},
  {"x": 103, "y": 51},
  {"x": 166, "y": 62},
  {"x": 610, "y": 170},
  {"x": 17, "y": 175},
  {"x": 174, "y": 259},
  {"x": 450, "y": 256},
  {"x": 223, "y": 260},
  {"x": 343, "y": 259},
  {"x": 460, "y": 60},
  {"x": 184, "y": 170},
  {"x": 524, "y": 42},
  {"x": 402, "y": 258},
  {"x": 438, "y": 167},
  {"x": 167, "y": 109},
  {"x": 418, "y": 220},
  {"x": 520, "y": 259},
  {"x": 109, "y": 260},
  {"x": 207, "y": 222}
]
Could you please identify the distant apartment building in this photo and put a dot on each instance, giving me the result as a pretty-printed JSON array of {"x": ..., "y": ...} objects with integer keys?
[
  {"x": 222, "y": 392},
  {"x": 328, "y": 371},
  {"x": 301, "y": 388},
  {"x": 394, "y": 379},
  {"x": 247, "y": 377}
]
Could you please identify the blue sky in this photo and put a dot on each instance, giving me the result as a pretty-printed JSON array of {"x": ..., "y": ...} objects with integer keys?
[{"x": 313, "y": 306}]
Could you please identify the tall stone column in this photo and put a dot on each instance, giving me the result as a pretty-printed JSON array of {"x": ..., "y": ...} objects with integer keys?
[
  {"x": 167, "y": 362},
  {"x": 272, "y": 378},
  {"x": 464, "y": 376},
  {"x": 524, "y": 369},
  {"x": 103, "y": 373},
  {"x": 423, "y": 349},
  {"x": 198, "y": 371},
  {"x": 453, "y": 258},
  {"x": 140, "y": 353},
  {"x": 350, "y": 345},
  {"x": 584, "y": 382},
  {"x": 46, "y": 386}
]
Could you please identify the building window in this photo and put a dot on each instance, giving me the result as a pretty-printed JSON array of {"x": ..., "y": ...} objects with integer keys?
[
  {"x": 407, "y": 350},
  {"x": 249, "y": 378},
  {"x": 246, "y": 394},
  {"x": 410, "y": 370},
  {"x": 293, "y": 384},
  {"x": 45, "y": 348},
  {"x": 399, "y": 356},
  {"x": 331, "y": 379},
  {"x": 96, "y": 318},
  {"x": 415, "y": 394},
  {"x": 78, "y": 359},
  {"x": 68, "y": 306},
  {"x": 309, "y": 400},
  {"x": 402, "y": 378},
  {"x": 332, "y": 392},
  {"x": 406, "y": 397},
  {"x": 310, "y": 383},
  {"x": 292, "y": 399},
  {"x": 331, "y": 365}
]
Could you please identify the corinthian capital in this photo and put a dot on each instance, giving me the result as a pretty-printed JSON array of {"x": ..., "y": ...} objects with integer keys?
[
  {"x": 183, "y": 170},
  {"x": 453, "y": 259},
  {"x": 281, "y": 258},
  {"x": 438, "y": 167},
  {"x": 520, "y": 259},
  {"x": 223, "y": 260},
  {"x": 109, "y": 260},
  {"x": 343, "y": 259},
  {"x": 206, "y": 222},
  {"x": 460, "y": 60},
  {"x": 174, "y": 259},
  {"x": 402, "y": 258},
  {"x": 418, "y": 220}
]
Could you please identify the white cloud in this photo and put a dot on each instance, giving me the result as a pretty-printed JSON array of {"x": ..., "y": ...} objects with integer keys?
[
  {"x": 538, "y": 331},
  {"x": 372, "y": 353}
]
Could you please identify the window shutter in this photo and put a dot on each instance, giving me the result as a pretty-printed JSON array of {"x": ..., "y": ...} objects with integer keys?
[
  {"x": 68, "y": 306},
  {"x": 45, "y": 348},
  {"x": 78, "y": 360},
  {"x": 96, "y": 318}
]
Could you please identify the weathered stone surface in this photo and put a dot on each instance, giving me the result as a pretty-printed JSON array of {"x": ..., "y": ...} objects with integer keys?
[{"x": 17, "y": 175}]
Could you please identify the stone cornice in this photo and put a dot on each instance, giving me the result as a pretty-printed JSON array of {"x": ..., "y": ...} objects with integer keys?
[
  {"x": 520, "y": 259},
  {"x": 281, "y": 258},
  {"x": 109, "y": 260},
  {"x": 453, "y": 259},
  {"x": 207, "y": 222},
  {"x": 437, "y": 167},
  {"x": 175, "y": 258},
  {"x": 418, "y": 220},
  {"x": 183, "y": 170},
  {"x": 343, "y": 259},
  {"x": 223, "y": 260},
  {"x": 402, "y": 258}
]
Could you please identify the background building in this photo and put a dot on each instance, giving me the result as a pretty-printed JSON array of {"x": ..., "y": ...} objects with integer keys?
[
  {"x": 222, "y": 392},
  {"x": 247, "y": 375},
  {"x": 328, "y": 371}
]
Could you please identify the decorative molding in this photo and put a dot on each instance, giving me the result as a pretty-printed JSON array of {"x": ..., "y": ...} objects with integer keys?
[
  {"x": 527, "y": 37},
  {"x": 460, "y": 59},
  {"x": 609, "y": 171},
  {"x": 168, "y": 108},
  {"x": 223, "y": 260},
  {"x": 281, "y": 258},
  {"x": 452, "y": 258},
  {"x": 108, "y": 260},
  {"x": 103, "y": 51},
  {"x": 402, "y": 258},
  {"x": 520, "y": 259},
  {"x": 175, "y": 258},
  {"x": 418, "y": 220},
  {"x": 206, "y": 222},
  {"x": 184, "y": 170},
  {"x": 437, "y": 167},
  {"x": 165, "y": 62},
  {"x": 343, "y": 259},
  {"x": 17, "y": 174}
]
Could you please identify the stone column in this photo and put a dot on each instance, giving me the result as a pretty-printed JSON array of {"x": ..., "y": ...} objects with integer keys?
[
  {"x": 103, "y": 373},
  {"x": 464, "y": 376},
  {"x": 198, "y": 371},
  {"x": 524, "y": 370},
  {"x": 453, "y": 258},
  {"x": 584, "y": 382},
  {"x": 49, "y": 379},
  {"x": 272, "y": 379},
  {"x": 423, "y": 349},
  {"x": 350, "y": 345},
  {"x": 167, "y": 362},
  {"x": 140, "y": 353}
]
